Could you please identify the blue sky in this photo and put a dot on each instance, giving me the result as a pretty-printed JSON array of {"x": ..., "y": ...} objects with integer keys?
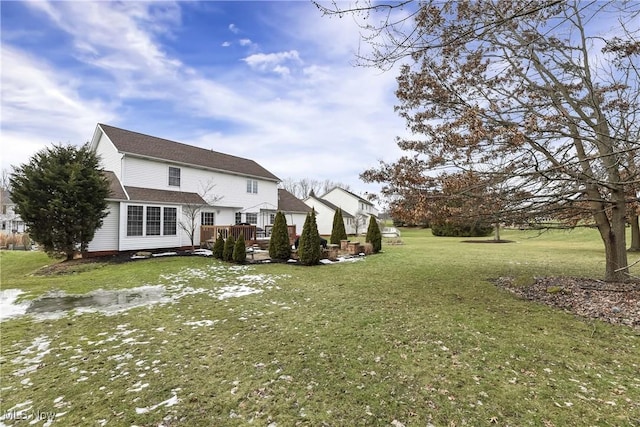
[{"x": 270, "y": 81}]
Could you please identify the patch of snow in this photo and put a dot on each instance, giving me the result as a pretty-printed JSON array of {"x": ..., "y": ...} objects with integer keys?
[
  {"x": 234, "y": 291},
  {"x": 137, "y": 387},
  {"x": 173, "y": 400},
  {"x": 204, "y": 322},
  {"x": 40, "y": 346},
  {"x": 8, "y": 306},
  {"x": 165, "y": 254},
  {"x": 203, "y": 252}
]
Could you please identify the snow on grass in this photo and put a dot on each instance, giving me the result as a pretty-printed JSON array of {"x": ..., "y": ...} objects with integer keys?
[
  {"x": 32, "y": 356},
  {"x": 120, "y": 345},
  {"x": 8, "y": 305},
  {"x": 204, "y": 322},
  {"x": 235, "y": 291},
  {"x": 173, "y": 400},
  {"x": 221, "y": 281}
]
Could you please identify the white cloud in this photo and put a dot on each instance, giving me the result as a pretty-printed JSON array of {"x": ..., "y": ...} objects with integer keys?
[
  {"x": 225, "y": 44},
  {"x": 234, "y": 29},
  {"x": 273, "y": 61},
  {"x": 245, "y": 42},
  {"x": 41, "y": 105},
  {"x": 326, "y": 120}
]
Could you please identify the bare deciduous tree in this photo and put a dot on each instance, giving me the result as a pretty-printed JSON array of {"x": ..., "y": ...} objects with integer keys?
[
  {"x": 303, "y": 187},
  {"x": 192, "y": 209},
  {"x": 539, "y": 85}
]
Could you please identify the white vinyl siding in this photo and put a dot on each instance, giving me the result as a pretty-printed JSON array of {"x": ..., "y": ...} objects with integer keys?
[
  {"x": 106, "y": 237},
  {"x": 145, "y": 173},
  {"x": 110, "y": 158}
]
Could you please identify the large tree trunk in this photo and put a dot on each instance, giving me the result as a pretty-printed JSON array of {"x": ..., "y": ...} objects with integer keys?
[
  {"x": 496, "y": 236},
  {"x": 613, "y": 235},
  {"x": 635, "y": 233}
]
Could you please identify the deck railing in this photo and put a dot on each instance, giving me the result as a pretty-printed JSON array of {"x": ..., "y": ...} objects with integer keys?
[
  {"x": 290, "y": 228},
  {"x": 250, "y": 232},
  {"x": 209, "y": 232}
]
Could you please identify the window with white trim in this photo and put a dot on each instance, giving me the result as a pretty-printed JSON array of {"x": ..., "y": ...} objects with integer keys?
[
  {"x": 174, "y": 176},
  {"x": 153, "y": 221},
  {"x": 238, "y": 217},
  {"x": 170, "y": 221},
  {"x": 207, "y": 218},
  {"x": 272, "y": 218},
  {"x": 135, "y": 215},
  {"x": 252, "y": 218},
  {"x": 252, "y": 186}
]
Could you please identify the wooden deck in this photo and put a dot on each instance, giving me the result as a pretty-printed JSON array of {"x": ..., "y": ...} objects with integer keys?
[{"x": 250, "y": 233}]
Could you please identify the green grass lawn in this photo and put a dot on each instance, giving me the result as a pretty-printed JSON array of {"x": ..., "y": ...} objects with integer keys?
[{"x": 417, "y": 335}]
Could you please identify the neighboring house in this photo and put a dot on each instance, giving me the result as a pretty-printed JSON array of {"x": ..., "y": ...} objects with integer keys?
[
  {"x": 356, "y": 210},
  {"x": 156, "y": 182},
  {"x": 10, "y": 221},
  {"x": 295, "y": 210},
  {"x": 325, "y": 211},
  {"x": 351, "y": 203}
]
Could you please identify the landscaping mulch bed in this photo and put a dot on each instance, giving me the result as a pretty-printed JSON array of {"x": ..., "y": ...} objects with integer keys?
[{"x": 617, "y": 303}]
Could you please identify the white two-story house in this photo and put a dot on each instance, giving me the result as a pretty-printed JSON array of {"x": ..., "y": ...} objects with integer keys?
[
  {"x": 10, "y": 221},
  {"x": 157, "y": 183},
  {"x": 356, "y": 210}
]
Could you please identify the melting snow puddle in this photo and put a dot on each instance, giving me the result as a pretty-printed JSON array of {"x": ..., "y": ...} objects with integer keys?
[{"x": 54, "y": 305}]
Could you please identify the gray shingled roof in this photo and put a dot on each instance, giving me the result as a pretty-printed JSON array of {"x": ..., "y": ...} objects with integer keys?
[
  {"x": 330, "y": 205},
  {"x": 115, "y": 189},
  {"x": 163, "y": 196},
  {"x": 139, "y": 194},
  {"x": 287, "y": 202},
  {"x": 139, "y": 144},
  {"x": 362, "y": 199}
]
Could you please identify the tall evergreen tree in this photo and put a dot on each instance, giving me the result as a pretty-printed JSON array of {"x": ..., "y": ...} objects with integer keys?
[
  {"x": 229, "y": 246},
  {"x": 218, "y": 247},
  {"x": 240, "y": 250},
  {"x": 373, "y": 234},
  {"x": 60, "y": 195},
  {"x": 279, "y": 245},
  {"x": 309, "y": 243},
  {"x": 338, "y": 231}
]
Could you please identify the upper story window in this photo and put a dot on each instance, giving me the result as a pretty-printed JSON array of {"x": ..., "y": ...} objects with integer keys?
[
  {"x": 174, "y": 176},
  {"x": 252, "y": 186}
]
